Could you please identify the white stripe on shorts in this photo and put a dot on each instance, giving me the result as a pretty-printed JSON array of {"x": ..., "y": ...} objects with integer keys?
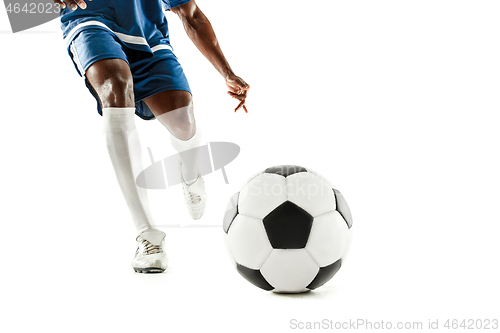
[
  {"x": 161, "y": 47},
  {"x": 76, "y": 59},
  {"x": 126, "y": 38}
]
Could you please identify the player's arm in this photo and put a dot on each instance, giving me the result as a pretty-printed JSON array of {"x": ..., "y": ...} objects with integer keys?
[
  {"x": 200, "y": 31},
  {"x": 71, "y": 3}
]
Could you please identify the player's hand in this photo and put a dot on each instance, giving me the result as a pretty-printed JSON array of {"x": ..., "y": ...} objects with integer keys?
[
  {"x": 72, "y": 3},
  {"x": 238, "y": 89}
]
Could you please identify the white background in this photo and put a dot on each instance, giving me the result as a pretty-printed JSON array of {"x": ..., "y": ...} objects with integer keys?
[{"x": 396, "y": 102}]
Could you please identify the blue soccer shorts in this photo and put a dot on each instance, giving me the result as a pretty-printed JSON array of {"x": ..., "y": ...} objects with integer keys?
[{"x": 152, "y": 73}]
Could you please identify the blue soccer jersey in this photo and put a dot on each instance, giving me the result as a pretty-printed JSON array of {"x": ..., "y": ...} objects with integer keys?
[{"x": 140, "y": 24}]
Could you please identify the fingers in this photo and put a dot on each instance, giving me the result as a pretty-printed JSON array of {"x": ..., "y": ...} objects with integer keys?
[
  {"x": 59, "y": 3},
  {"x": 242, "y": 104},
  {"x": 241, "y": 98},
  {"x": 238, "y": 96},
  {"x": 81, "y": 3},
  {"x": 243, "y": 90},
  {"x": 239, "y": 106},
  {"x": 73, "y": 4},
  {"x": 238, "y": 89}
]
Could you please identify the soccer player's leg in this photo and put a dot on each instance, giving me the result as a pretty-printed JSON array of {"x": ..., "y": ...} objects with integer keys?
[
  {"x": 174, "y": 110},
  {"x": 100, "y": 57},
  {"x": 112, "y": 82}
]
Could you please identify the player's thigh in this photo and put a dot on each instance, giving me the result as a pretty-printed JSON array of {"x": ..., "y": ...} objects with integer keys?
[
  {"x": 169, "y": 100},
  {"x": 112, "y": 81},
  {"x": 161, "y": 84},
  {"x": 99, "y": 55}
]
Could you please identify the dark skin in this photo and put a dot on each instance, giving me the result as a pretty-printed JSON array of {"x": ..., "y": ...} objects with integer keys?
[
  {"x": 202, "y": 34},
  {"x": 112, "y": 80}
]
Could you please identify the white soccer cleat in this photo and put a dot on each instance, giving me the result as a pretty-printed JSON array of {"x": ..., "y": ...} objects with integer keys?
[
  {"x": 150, "y": 256},
  {"x": 195, "y": 197}
]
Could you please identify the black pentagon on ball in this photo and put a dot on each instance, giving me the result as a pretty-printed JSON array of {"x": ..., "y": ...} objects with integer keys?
[
  {"x": 325, "y": 274},
  {"x": 254, "y": 276},
  {"x": 231, "y": 212},
  {"x": 285, "y": 170},
  {"x": 343, "y": 208},
  {"x": 288, "y": 226}
]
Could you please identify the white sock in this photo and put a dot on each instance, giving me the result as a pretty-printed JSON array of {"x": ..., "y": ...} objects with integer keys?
[
  {"x": 124, "y": 149},
  {"x": 189, "y": 161}
]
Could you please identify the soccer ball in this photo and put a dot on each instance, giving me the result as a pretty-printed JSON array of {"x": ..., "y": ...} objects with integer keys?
[{"x": 287, "y": 230}]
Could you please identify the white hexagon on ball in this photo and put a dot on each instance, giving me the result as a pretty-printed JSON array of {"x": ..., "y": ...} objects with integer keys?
[
  {"x": 289, "y": 271},
  {"x": 310, "y": 192},
  {"x": 248, "y": 241},
  {"x": 261, "y": 195},
  {"x": 328, "y": 238}
]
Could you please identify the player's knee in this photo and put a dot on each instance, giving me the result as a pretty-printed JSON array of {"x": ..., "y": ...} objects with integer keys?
[
  {"x": 117, "y": 91},
  {"x": 112, "y": 81},
  {"x": 185, "y": 130},
  {"x": 183, "y": 126}
]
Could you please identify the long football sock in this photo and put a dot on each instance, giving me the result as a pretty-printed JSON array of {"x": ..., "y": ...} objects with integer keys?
[
  {"x": 124, "y": 150},
  {"x": 189, "y": 161}
]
